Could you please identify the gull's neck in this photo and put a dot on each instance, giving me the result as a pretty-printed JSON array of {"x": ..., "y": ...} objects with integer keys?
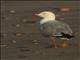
[{"x": 47, "y": 19}]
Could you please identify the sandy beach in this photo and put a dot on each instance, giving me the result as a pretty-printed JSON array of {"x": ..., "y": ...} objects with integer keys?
[{"x": 22, "y": 41}]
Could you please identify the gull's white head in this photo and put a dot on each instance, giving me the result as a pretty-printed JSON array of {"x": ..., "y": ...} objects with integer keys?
[{"x": 47, "y": 16}]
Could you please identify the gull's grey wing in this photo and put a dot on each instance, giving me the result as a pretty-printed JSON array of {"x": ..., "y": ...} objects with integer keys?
[
  {"x": 55, "y": 28},
  {"x": 64, "y": 28},
  {"x": 68, "y": 29}
]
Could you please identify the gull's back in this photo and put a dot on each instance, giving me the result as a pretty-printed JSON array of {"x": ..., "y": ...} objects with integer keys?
[{"x": 55, "y": 28}]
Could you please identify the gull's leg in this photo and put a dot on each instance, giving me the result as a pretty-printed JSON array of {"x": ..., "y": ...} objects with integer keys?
[
  {"x": 65, "y": 44},
  {"x": 53, "y": 42}
]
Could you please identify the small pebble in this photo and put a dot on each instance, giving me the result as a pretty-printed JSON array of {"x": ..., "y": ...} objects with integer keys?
[
  {"x": 35, "y": 41},
  {"x": 18, "y": 25},
  {"x": 12, "y": 11},
  {"x": 24, "y": 20},
  {"x": 18, "y": 34},
  {"x": 65, "y": 9},
  {"x": 13, "y": 41},
  {"x": 3, "y": 46}
]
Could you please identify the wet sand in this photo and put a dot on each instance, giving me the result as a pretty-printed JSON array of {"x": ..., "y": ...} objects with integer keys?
[{"x": 23, "y": 41}]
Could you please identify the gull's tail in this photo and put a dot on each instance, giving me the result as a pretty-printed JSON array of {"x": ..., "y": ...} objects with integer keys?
[{"x": 67, "y": 35}]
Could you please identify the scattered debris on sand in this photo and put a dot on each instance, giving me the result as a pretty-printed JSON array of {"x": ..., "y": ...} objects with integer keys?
[
  {"x": 12, "y": 11},
  {"x": 14, "y": 41},
  {"x": 3, "y": 46},
  {"x": 65, "y": 9}
]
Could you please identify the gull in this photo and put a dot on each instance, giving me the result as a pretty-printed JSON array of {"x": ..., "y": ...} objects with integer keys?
[{"x": 53, "y": 29}]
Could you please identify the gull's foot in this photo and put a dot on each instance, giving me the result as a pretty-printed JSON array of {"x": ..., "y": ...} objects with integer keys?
[{"x": 65, "y": 45}]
